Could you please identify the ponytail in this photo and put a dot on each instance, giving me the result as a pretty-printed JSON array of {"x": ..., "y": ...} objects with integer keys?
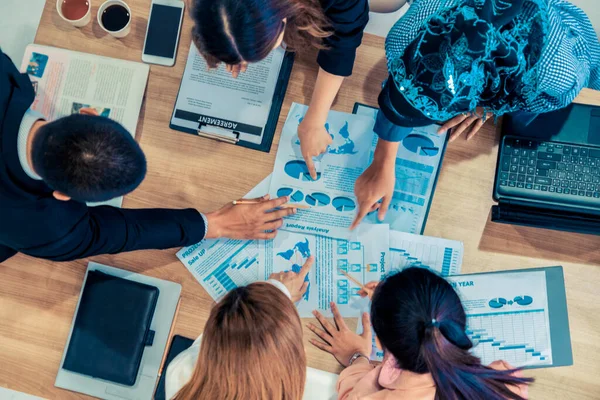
[{"x": 459, "y": 375}]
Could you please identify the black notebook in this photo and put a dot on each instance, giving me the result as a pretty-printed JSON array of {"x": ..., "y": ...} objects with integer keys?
[{"x": 112, "y": 328}]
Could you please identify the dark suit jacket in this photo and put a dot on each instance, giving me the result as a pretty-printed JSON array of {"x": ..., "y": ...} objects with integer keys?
[{"x": 33, "y": 222}]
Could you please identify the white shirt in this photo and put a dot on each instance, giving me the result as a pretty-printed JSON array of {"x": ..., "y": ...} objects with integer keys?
[
  {"x": 30, "y": 118},
  {"x": 319, "y": 384}
]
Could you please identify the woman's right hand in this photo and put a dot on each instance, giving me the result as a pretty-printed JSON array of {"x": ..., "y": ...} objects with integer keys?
[
  {"x": 314, "y": 140},
  {"x": 236, "y": 69},
  {"x": 369, "y": 289},
  {"x": 295, "y": 282}
]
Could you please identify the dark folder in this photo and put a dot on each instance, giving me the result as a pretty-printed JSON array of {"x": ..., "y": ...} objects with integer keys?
[{"x": 112, "y": 328}]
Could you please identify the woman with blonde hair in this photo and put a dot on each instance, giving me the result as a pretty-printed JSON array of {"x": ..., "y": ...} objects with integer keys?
[{"x": 251, "y": 348}]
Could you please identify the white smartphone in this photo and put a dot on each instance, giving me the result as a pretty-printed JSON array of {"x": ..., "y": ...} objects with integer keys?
[{"x": 162, "y": 34}]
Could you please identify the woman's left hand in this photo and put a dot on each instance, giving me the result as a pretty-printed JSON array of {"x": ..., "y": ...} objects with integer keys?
[
  {"x": 470, "y": 123},
  {"x": 340, "y": 341}
]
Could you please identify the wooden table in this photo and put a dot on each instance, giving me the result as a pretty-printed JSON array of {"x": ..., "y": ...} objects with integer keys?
[{"x": 38, "y": 298}]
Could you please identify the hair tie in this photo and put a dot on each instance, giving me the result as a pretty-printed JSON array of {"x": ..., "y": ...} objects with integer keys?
[{"x": 434, "y": 323}]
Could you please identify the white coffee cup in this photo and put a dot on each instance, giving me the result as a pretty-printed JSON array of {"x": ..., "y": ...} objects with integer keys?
[
  {"x": 83, "y": 21},
  {"x": 125, "y": 30}
]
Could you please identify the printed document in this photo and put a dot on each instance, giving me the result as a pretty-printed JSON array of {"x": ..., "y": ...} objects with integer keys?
[
  {"x": 364, "y": 258},
  {"x": 67, "y": 81},
  {"x": 331, "y": 196},
  {"x": 216, "y": 103},
  {"x": 507, "y": 316},
  {"x": 417, "y": 162},
  {"x": 221, "y": 265},
  {"x": 409, "y": 250}
]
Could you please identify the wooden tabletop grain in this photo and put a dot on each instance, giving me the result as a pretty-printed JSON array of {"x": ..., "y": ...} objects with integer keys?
[{"x": 38, "y": 298}]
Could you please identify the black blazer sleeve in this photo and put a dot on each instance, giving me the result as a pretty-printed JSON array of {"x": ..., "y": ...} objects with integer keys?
[
  {"x": 348, "y": 19},
  {"x": 108, "y": 230}
]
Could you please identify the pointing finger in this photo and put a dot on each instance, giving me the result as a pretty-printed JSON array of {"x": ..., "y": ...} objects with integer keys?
[
  {"x": 385, "y": 205},
  {"x": 306, "y": 267},
  {"x": 366, "y": 323},
  {"x": 311, "y": 167},
  {"x": 362, "y": 212}
]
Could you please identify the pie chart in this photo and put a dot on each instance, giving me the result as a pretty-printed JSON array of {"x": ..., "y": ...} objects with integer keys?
[
  {"x": 497, "y": 303},
  {"x": 420, "y": 145},
  {"x": 295, "y": 196},
  {"x": 318, "y": 199},
  {"x": 298, "y": 170},
  {"x": 343, "y": 204},
  {"x": 523, "y": 300},
  {"x": 284, "y": 192}
]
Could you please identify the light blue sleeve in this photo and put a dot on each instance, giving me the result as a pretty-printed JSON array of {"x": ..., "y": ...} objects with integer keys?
[{"x": 388, "y": 131}]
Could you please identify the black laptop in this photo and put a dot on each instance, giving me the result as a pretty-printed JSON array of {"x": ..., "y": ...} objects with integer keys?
[{"x": 548, "y": 172}]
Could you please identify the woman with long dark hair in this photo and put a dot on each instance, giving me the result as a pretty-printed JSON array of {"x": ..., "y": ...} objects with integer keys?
[
  {"x": 238, "y": 32},
  {"x": 420, "y": 323}
]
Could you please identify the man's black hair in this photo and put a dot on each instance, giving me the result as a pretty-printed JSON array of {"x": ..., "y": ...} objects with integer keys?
[{"x": 88, "y": 158}]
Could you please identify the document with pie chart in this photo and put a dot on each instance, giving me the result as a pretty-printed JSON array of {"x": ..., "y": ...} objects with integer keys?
[
  {"x": 507, "y": 316},
  {"x": 331, "y": 196},
  {"x": 418, "y": 162}
]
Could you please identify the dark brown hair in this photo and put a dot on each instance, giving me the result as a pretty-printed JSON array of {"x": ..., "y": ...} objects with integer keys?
[
  {"x": 235, "y": 31},
  {"x": 251, "y": 349}
]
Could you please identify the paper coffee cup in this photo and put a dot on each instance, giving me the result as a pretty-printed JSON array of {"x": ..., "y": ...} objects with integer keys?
[
  {"x": 121, "y": 33},
  {"x": 81, "y": 22}
]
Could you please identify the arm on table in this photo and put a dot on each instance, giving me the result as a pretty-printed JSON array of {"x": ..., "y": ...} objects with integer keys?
[{"x": 109, "y": 230}]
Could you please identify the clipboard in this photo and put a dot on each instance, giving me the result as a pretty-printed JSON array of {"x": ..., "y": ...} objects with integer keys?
[
  {"x": 233, "y": 137},
  {"x": 435, "y": 178},
  {"x": 558, "y": 314}
]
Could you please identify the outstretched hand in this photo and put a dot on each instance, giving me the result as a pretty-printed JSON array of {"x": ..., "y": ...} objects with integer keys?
[
  {"x": 340, "y": 341},
  {"x": 469, "y": 123},
  {"x": 314, "y": 140},
  {"x": 248, "y": 221},
  {"x": 374, "y": 185},
  {"x": 295, "y": 282}
]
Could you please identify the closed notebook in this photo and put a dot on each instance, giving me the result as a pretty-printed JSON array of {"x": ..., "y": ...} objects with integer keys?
[{"x": 112, "y": 328}]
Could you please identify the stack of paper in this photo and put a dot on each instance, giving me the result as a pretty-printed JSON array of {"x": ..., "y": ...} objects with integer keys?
[{"x": 367, "y": 254}]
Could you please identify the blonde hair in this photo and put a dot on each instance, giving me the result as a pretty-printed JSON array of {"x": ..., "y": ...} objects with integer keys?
[{"x": 252, "y": 349}]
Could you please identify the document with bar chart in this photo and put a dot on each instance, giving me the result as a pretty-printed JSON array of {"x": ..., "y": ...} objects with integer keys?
[
  {"x": 507, "y": 316},
  {"x": 221, "y": 265},
  {"x": 441, "y": 255},
  {"x": 418, "y": 163},
  {"x": 408, "y": 250}
]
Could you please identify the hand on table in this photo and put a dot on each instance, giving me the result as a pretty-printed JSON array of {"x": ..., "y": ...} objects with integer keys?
[
  {"x": 369, "y": 289},
  {"x": 314, "y": 140},
  {"x": 295, "y": 282},
  {"x": 470, "y": 123},
  {"x": 340, "y": 341},
  {"x": 248, "y": 221},
  {"x": 375, "y": 184}
]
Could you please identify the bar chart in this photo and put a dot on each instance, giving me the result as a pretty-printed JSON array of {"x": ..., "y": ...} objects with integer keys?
[{"x": 517, "y": 337}]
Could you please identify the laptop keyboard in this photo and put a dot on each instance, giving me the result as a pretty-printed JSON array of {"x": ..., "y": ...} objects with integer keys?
[{"x": 550, "y": 171}]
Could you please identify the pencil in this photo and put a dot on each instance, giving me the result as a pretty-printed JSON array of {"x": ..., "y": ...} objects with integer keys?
[
  {"x": 288, "y": 205},
  {"x": 353, "y": 279}
]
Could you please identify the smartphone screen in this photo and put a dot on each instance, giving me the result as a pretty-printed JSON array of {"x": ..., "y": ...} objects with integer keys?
[{"x": 161, "y": 40}]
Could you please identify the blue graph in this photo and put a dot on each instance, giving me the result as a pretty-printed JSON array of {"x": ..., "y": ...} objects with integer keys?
[
  {"x": 343, "y": 204},
  {"x": 318, "y": 199},
  {"x": 488, "y": 342},
  {"x": 518, "y": 300},
  {"x": 232, "y": 264},
  {"x": 412, "y": 178},
  {"x": 420, "y": 145},
  {"x": 299, "y": 170},
  {"x": 410, "y": 260}
]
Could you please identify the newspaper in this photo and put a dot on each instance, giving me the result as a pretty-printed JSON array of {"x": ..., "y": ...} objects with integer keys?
[{"x": 67, "y": 81}]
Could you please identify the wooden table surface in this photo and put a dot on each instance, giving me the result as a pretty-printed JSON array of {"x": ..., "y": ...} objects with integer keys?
[{"x": 38, "y": 298}]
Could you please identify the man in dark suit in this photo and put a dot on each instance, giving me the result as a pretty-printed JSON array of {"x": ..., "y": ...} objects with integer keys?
[{"x": 48, "y": 170}]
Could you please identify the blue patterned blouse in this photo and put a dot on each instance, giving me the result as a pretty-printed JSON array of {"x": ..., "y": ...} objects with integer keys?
[{"x": 568, "y": 61}]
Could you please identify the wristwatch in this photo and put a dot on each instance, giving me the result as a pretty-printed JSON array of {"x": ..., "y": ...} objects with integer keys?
[{"x": 356, "y": 356}]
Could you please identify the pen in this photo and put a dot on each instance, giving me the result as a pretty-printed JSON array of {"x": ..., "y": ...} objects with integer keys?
[{"x": 246, "y": 201}]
